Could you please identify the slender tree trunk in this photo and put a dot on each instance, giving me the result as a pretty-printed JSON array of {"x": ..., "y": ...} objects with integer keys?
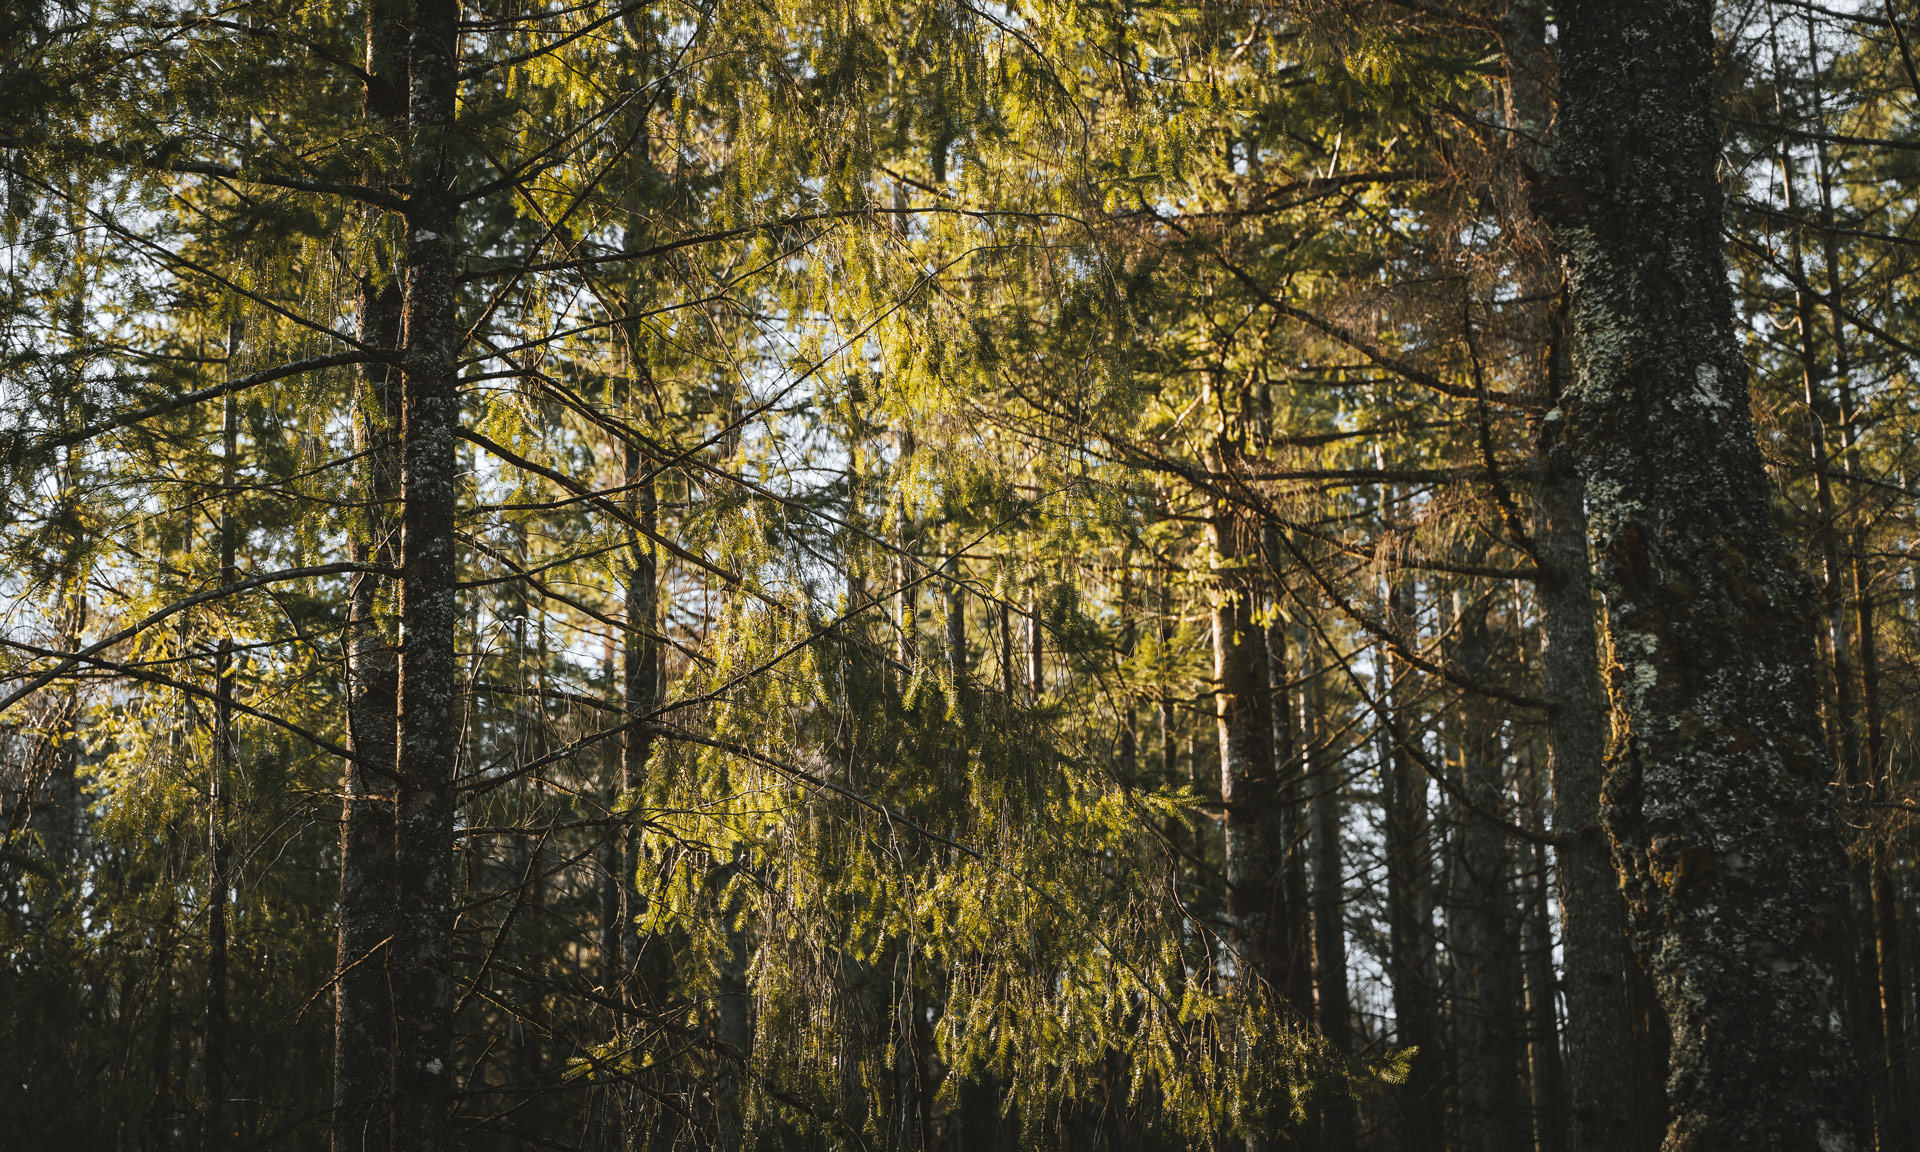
[
  {"x": 1409, "y": 860},
  {"x": 217, "y": 1127},
  {"x": 429, "y": 712},
  {"x": 1484, "y": 943},
  {"x": 1007, "y": 676},
  {"x": 1036, "y": 644},
  {"x": 1248, "y": 790},
  {"x": 1593, "y": 916},
  {"x": 1129, "y": 638},
  {"x": 1717, "y": 796},
  {"x": 612, "y": 866},
  {"x": 957, "y": 641},
  {"x": 1546, "y": 1069},
  {"x": 733, "y": 1030},
  {"x": 162, "y": 1053},
  {"x": 1292, "y": 972},
  {"x": 1163, "y": 699},
  {"x": 1889, "y": 962},
  {"x": 363, "y": 1007},
  {"x": 906, "y": 573},
  {"x": 1338, "y": 1124},
  {"x": 363, "y": 998},
  {"x": 1293, "y": 742},
  {"x": 640, "y": 670}
]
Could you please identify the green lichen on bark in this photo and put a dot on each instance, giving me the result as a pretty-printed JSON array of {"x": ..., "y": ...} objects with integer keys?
[{"x": 1718, "y": 798}]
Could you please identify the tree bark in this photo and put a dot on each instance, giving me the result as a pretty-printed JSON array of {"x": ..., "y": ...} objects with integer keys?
[
  {"x": 1409, "y": 859},
  {"x": 1717, "y": 795},
  {"x": 363, "y": 999},
  {"x": 363, "y": 1007},
  {"x": 640, "y": 680},
  {"x": 1294, "y": 936},
  {"x": 1338, "y": 1127},
  {"x": 1483, "y": 941},
  {"x": 1593, "y": 917},
  {"x": 429, "y": 712},
  {"x": 216, "y": 1127},
  {"x": 1248, "y": 791},
  {"x": 1545, "y": 1065}
]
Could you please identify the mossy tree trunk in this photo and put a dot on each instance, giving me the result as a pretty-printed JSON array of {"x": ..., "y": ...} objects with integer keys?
[{"x": 1718, "y": 794}]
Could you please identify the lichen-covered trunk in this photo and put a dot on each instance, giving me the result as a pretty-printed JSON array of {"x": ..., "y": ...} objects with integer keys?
[
  {"x": 1718, "y": 793},
  {"x": 1593, "y": 917},
  {"x": 429, "y": 710}
]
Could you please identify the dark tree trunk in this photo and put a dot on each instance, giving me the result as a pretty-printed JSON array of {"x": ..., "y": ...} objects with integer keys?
[
  {"x": 1008, "y": 679},
  {"x": 1889, "y": 963},
  {"x": 1593, "y": 917},
  {"x": 1545, "y": 1066},
  {"x": 1036, "y": 645},
  {"x": 1409, "y": 860},
  {"x": 957, "y": 643},
  {"x": 429, "y": 694},
  {"x": 640, "y": 680},
  {"x": 1129, "y": 638},
  {"x": 363, "y": 1002},
  {"x": 217, "y": 1126},
  {"x": 1483, "y": 938},
  {"x": 1325, "y": 786},
  {"x": 906, "y": 572},
  {"x": 363, "y": 999},
  {"x": 1717, "y": 795},
  {"x": 1163, "y": 700},
  {"x": 1290, "y": 744}
]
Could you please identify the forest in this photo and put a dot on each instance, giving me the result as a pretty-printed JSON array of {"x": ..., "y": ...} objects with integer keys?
[{"x": 959, "y": 575}]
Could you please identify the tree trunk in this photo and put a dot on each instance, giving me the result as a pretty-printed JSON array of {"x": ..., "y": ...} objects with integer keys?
[
  {"x": 429, "y": 712},
  {"x": 1897, "y": 1125},
  {"x": 1593, "y": 917},
  {"x": 906, "y": 572},
  {"x": 1294, "y": 936},
  {"x": 1036, "y": 645},
  {"x": 1546, "y": 1069},
  {"x": 1247, "y": 770},
  {"x": 1324, "y": 784},
  {"x": 1409, "y": 860},
  {"x": 1129, "y": 639},
  {"x": 1483, "y": 940},
  {"x": 216, "y": 1129},
  {"x": 957, "y": 647},
  {"x": 1717, "y": 796},
  {"x": 363, "y": 1008},
  {"x": 363, "y": 999},
  {"x": 641, "y": 690}
]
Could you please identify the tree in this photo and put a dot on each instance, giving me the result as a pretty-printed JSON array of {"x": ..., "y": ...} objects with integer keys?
[{"x": 1717, "y": 797}]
